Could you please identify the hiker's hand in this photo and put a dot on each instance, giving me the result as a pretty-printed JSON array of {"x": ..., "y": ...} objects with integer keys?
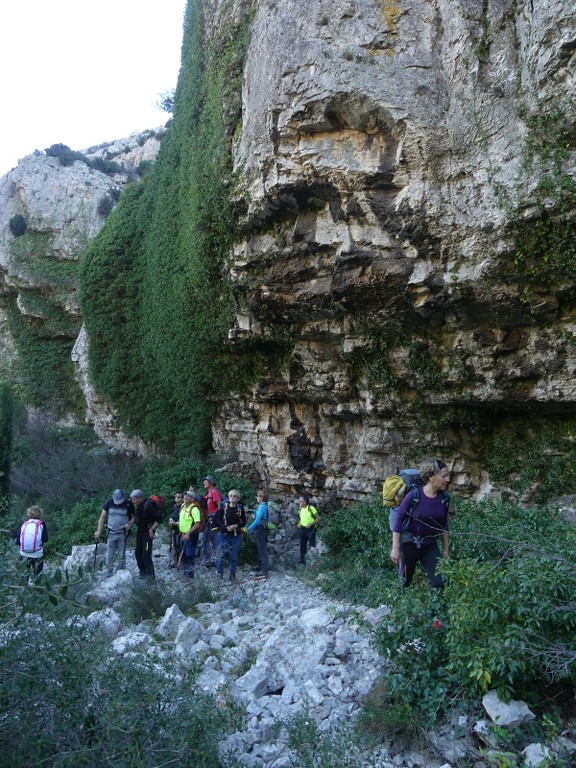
[
  {"x": 445, "y": 552},
  {"x": 96, "y": 535},
  {"x": 231, "y": 527},
  {"x": 152, "y": 533},
  {"x": 395, "y": 555}
]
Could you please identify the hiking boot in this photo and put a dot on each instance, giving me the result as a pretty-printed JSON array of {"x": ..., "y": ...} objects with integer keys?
[
  {"x": 232, "y": 577},
  {"x": 219, "y": 576}
]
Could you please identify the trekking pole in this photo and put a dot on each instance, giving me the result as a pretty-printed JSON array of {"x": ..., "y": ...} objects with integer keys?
[
  {"x": 123, "y": 561},
  {"x": 170, "y": 550},
  {"x": 95, "y": 555}
]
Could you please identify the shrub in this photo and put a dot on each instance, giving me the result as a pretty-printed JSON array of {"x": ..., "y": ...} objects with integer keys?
[
  {"x": 109, "y": 167},
  {"x": 165, "y": 477},
  {"x": 151, "y": 600},
  {"x": 105, "y": 206},
  {"x": 74, "y": 704},
  {"x": 505, "y": 620},
  {"x": 65, "y": 155},
  {"x": 18, "y": 225}
]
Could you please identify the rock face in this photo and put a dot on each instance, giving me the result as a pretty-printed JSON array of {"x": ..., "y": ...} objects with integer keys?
[
  {"x": 64, "y": 205},
  {"x": 383, "y": 155}
]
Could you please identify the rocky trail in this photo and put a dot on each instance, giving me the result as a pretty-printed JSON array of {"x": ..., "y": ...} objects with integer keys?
[{"x": 280, "y": 648}]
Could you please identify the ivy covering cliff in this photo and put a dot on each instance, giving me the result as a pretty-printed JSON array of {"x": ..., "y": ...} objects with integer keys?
[{"x": 155, "y": 305}]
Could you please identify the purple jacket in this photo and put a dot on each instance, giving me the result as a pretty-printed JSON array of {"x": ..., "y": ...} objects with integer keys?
[{"x": 429, "y": 517}]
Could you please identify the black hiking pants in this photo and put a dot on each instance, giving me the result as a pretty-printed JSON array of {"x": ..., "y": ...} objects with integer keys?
[
  {"x": 143, "y": 552},
  {"x": 428, "y": 555}
]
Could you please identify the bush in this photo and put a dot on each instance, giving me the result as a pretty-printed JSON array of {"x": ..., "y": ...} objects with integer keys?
[
  {"x": 18, "y": 225},
  {"x": 165, "y": 477},
  {"x": 151, "y": 600},
  {"x": 75, "y": 705},
  {"x": 65, "y": 155},
  {"x": 105, "y": 206},
  {"x": 72, "y": 526},
  {"x": 505, "y": 620},
  {"x": 109, "y": 167}
]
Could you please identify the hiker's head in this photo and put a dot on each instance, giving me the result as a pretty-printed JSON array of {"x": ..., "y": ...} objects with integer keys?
[
  {"x": 436, "y": 470},
  {"x": 178, "y": 497},
  {"x": 137, "y": 497},
  {"x": 303, "y": 500},
  {"x": 117, "y": 496},
  {"x": 234, "y": 496},
  {"x": 262, "y": 496},
  {"x": 188, "y": 496},
  {"x": 34, "y": 513},
  {"x": 209, "y": 481}
]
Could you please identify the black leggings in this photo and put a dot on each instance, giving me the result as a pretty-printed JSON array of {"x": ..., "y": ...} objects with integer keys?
[{"x": 427, "y": 555}]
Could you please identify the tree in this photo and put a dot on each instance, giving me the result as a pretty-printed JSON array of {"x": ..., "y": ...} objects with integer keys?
[{"x": 6, "y": 414}]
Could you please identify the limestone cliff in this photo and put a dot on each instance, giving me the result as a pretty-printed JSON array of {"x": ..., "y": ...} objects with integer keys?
[
  {"x": 52, "y": 204},
  {"x": 393, "y": 155}
]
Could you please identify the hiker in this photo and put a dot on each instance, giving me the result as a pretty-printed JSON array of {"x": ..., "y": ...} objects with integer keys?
[
  {"x": 213, "y": 500},
  {"x": 173, "y": 521},
  {"x": 308, "y": 522},
  {"x": 231, "y": 518},
  {"x": 189, "y": 523},
  {"x": 118, "y": 516},
  {"x": 417, "y": 528},
  {"x": 148, "y": 518},
  {"x": 259, "y": 526},
  {"x": 31, "y": 537}
]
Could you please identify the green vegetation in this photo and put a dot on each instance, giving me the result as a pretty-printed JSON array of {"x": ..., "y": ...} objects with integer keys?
[
  {"x": 156, "y": 307},
  {"x": 545, "y": 253},
  {"x": 6, "y": 432},
  {"x": 43, "y": 366},
  {"x": 67, "y": 157},
  {"x": 68, "y": 700},
  {"x": 539, "y": 457},
  {"x": 18, "y": 225},
  {"x": 505, "y": 620}
]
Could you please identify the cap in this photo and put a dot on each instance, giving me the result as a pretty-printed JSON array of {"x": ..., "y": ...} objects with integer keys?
[
  {"x": 157, "y": 499},
  {"x": 189, "y": 493},
  {"x": 211, "y": 479},
  {"x": 137, "y": 494},
  {"x": 117, "y": 496}
]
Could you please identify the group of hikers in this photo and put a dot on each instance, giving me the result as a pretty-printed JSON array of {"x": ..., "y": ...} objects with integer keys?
[
  {"x": 202, "y": 525},
  {"x": 210, "y": 526}
]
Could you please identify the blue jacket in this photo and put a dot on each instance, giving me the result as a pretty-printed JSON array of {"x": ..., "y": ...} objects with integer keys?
[{"x": 261, "y": 517}]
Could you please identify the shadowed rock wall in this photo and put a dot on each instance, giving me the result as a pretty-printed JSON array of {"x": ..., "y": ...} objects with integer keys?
[{"x": 383, "y": 159}]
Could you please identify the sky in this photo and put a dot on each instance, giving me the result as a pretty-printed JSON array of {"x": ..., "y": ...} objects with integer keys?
[{"x": 81, "y": 73}]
